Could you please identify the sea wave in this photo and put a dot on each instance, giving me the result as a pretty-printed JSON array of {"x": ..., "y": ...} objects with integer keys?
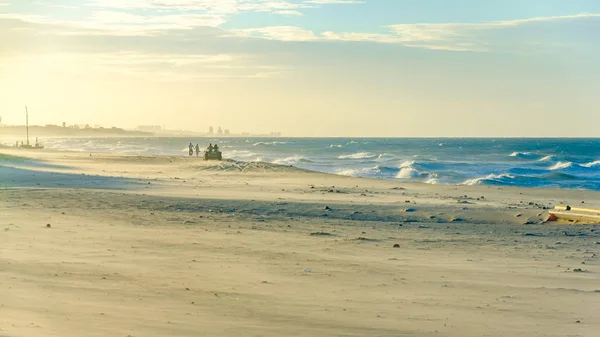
[
  {"x": 592, "y": 164},
  {"x": 386, "y": 156},
  {"x": 489, "y": 179},
  {"x": 272, "y": 143},
  {"x": 359, "y": 155},
  {"x": 294, "y": 160},
  {"x": 524, "y": 155},
  {"x": 411, "y": 170}
]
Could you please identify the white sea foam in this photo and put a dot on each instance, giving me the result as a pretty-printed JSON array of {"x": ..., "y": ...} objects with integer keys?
[
  {"x": 407, "y": 173},
  {"x": 561, "y": 165},
  {"x": 432, "y": 181},
  {"x": 271, "y": 143},
  {"x": 592, "y": 164},
  {"x": 360, "y": 155},
  {"x": 492, "y": 177},
  {"x": 348, "y": 172},
  {"x": 523, "y": 155},
  {"x": 408, "y": 164},
  {"x": 289, "y": 160}
]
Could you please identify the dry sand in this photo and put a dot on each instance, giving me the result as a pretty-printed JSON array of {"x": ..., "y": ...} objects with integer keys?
[{"x": 168, "y": 246}]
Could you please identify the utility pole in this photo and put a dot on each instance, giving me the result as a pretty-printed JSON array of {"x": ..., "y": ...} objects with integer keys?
[{"x": 27, "y": 123}]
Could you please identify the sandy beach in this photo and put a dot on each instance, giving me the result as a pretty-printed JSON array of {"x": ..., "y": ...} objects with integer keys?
[{"x": 114, "y": 245}]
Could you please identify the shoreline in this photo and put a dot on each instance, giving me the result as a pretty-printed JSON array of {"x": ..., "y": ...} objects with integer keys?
[
  {"x": 32, "y": 154},
  {"x": 457, "y": 162}
]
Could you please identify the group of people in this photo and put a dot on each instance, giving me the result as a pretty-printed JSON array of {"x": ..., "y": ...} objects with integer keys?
[{"x": 211, "y": 149}]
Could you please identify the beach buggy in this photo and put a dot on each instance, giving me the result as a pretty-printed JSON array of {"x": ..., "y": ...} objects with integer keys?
[{"x": 213, "y": 153}]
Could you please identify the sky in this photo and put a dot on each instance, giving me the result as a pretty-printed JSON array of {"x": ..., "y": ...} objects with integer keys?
[{"x": 314, "y": 68}]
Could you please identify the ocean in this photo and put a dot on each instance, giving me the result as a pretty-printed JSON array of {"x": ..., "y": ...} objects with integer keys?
[{"x": 558, "y": 163}]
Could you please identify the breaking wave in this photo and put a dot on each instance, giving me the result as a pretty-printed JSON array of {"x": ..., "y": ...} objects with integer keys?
[
  {"x": 294, "y": 160},
  {"x": 489, "y": 179},
  {"x": 359, "y": 155}
]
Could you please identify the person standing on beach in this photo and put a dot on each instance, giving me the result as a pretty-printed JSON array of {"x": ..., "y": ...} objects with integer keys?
[
  {"x": 197, "y": 150},
  {"x": 191, "y": 147}
]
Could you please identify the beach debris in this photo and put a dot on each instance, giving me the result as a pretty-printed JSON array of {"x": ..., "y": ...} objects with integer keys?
[
  {"x": 533, "y": 234},
  {"x": 409, "y": 210},
  {"x": 573, "y": 235},
  {"x": 456, "y": 219},
  {"x": 552, "y": 217},
  {"x": 396, "y": 246},
  {"x": 362, "y": 238},
  {"x": 579, "y": 270},
  {"x": 308, "y": 270},
  {"x": 519, "y": 215},
  {"x": 327, "y": 208},
  {"x": 407, "y": 201},
  {"x": 48, "y": 225},
  {"x": 321, "y": 234},
  {"x": 423, "y": 226}
]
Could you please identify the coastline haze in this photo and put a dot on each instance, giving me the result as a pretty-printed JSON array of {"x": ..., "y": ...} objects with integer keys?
[{"x": 436, "y": 75}]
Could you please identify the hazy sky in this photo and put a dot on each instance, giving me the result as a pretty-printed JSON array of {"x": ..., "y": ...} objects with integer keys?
[{"x": 306, "y": 67}]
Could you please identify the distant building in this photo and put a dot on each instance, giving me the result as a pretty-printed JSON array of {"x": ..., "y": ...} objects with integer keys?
[
  {"x": 149, "y": 128},
  {"x": 64, "y": 125},
  {"x": 211, "y": 130},
  {"x": 227, "y": 132},
  {"x": 275, "y": 134},
  {"x": 220, "y": 131}
]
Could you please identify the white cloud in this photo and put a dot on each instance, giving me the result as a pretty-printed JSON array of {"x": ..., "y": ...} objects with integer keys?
[
  {"x": 436, "y": 36},
  {"x": 219, "y": 7},
  {"x": 147, "y": 17},
  {"x": 424, "y": 32},
  {"x": 331, "y": 2},
  {"x": 289, "y": 12},
  {"x": 280, "y": 33}
]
